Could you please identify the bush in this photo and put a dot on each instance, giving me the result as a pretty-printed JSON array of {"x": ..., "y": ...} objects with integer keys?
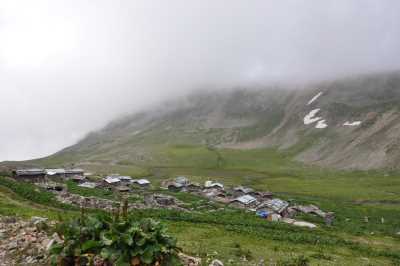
[{"x": 117, "y": 241}]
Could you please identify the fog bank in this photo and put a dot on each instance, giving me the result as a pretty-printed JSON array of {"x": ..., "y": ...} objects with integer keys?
[{"x": 69, "y": 67}]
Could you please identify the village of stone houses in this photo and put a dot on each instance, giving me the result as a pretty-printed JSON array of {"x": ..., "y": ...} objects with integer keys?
[{"x": 138, "y": 194}]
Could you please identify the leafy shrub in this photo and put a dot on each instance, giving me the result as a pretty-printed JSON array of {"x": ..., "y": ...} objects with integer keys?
[{"x": 118, "y": 241}]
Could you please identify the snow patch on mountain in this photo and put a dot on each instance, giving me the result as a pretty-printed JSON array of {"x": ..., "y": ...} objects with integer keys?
[
  {"x": 313, "y": 99},
  {"x": 352, "y": 124},
  {"x": 310, "y": 117},
  {"x": 321, "y": 124}
]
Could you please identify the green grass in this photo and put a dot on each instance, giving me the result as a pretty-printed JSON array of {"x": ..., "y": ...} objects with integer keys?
[
  {"x": 203, "y": 233},
  {"x": 33, "y": 193},
  {"x": 352, "y": 195},
  {"x": 12, "y": 204},
  {"x": 269, "y": 169},
  {"x": 90, "y": 192},
  {"x": 218, "y": 234}
]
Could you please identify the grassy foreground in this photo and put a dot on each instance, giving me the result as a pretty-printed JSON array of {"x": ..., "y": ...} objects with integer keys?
[{"x": 232, "y": 235}]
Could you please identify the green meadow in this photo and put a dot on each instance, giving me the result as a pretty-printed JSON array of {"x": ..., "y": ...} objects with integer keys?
[{"x": 240, "y": 238}]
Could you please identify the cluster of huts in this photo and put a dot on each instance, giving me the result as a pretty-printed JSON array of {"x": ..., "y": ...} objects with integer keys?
[
  {"x": 122, "y": 183},
  {"x": 46, "y": 178},
  {"x": 238, "y": 196},
  {"x": 37, "y": 174},
  {"x": 261, "y": 202},
  {"x": 115, "y": 182}
]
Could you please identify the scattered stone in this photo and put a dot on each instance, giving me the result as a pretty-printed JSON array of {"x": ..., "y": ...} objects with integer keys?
[
  {"x": 9, "y": 220},
  {"x": 216, "y": 263},
  {"x": 12, "y": 245},
  {"x": 304, "y": 224},
  {"x": 36, "y": 220},
  {"x": 310, "y": 209},
  {"x": 49, "y": 244},
  {"x": 164, "y": 200},
  {"x": 56, "y": 238},
  {"x": 261, "y": 263},
  {"x": 189, "y": 261},
  {"x": 290, "y": 212},
  {"x": 22, "y": 242},
  {"x": 329, "y": 218},
  {"x": 151, "y": 201},
  {"x": 298, "y": 223}
]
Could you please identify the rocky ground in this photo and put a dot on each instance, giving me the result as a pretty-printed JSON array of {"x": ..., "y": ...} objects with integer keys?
[
  {"x": 27, "y": 242},
  {"x": 24, "y": 242},
  {"x": 152, "y": 201}
]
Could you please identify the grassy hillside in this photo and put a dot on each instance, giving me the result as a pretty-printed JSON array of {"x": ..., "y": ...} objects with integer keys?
[
  {"x": 351, "y": 194},
  {"x": 268, "y": 117},
  {"x": 231, "y": 235},
  {"x": 257, "y": 138}
]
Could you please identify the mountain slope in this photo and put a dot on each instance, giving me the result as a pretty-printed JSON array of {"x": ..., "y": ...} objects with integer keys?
[{"x": 358, "y": 125}]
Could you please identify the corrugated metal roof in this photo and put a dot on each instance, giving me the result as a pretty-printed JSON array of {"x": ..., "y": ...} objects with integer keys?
[
  {"x": 112, "y": 179},
  {"x": 209, "y": 184},
  {"x": 57, "y": 171},
  {"x": 74, "y": 171},
  {"x": 244, "y": 189},
  {"x": 182, "y": 180},
  {"x": 277, "y": 205},
  {"x": 141, "y": 181},
  {"x": 125, "y": 177},
  {"x": 246, "y": 199},
  {"x": 32, "y": 171},
  {"x": 174, "y": 184}
]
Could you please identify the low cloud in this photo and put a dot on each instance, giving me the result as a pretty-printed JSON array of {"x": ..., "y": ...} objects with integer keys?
[{"x": 68, "y": 67}]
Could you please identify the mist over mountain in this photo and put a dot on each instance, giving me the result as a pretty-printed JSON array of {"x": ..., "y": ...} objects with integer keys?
[
  {"x": 69, "y": 67},
  {"x": 348, "y": 123},
  {"x": 209, "y": 132}
]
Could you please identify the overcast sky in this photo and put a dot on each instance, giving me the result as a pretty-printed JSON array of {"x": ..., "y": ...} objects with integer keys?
[{"x": 67, "y": 67}]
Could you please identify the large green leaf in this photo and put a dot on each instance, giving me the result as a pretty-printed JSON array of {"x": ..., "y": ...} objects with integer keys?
[
  {"x": 123, "y": 260},
  {"x": 116, "y": 241},
  {"x": 106, "y": 238},
  {"x": 127, "y": 238},
  {"x": 56, "y": 248},
  {"x": 91, "y": 245},
  {"x": 141, "y": 241},
  {"x": 147, "y": 257},
  {"x": 136, "y": 251},
  {"x": 109, "y": 253}
]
